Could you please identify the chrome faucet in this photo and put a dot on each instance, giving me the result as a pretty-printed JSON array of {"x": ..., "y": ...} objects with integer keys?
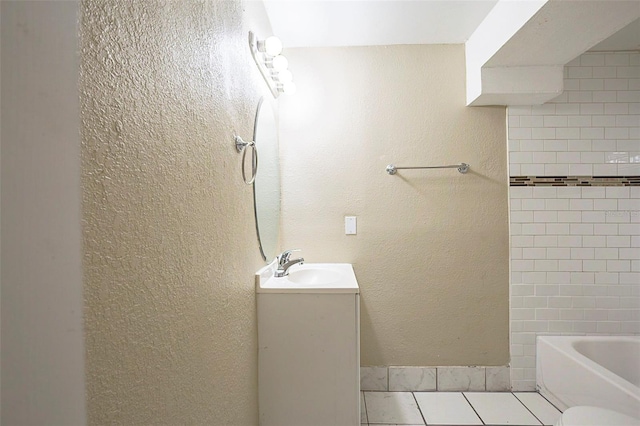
[{"x": 284, "y": 263}]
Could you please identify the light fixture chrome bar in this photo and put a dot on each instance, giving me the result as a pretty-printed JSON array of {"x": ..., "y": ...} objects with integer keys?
[
  {"x": 266, "y": 74},
  {"x": 462, "y": 168}
]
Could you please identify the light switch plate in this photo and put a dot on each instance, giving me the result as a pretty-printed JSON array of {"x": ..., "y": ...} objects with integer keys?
[{"x": 350, "y": 226}]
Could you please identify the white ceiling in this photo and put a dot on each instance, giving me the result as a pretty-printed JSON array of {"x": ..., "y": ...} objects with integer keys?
[
  {"x": 313, "y": 23},
  {"x": 307, "y": 23}
]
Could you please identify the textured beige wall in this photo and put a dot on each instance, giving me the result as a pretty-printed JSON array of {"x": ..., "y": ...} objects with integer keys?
[
  {"x": 431, "y": 254},
  {"x": 169, "y": 238}
]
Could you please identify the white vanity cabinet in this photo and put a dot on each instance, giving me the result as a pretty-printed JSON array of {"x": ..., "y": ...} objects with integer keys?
[{"x": 309, "y": 350}]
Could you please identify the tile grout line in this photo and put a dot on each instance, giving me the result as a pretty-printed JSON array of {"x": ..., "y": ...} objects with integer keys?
[
  {"x": 473, "y": 408},
  {"x": 525, "y": 406},
  {"x": 468, "y": 402},
  {"x": 485, "y": 378},
  {"x": 366, "y": 413},
  {"x": 419, "y": 409},
  {"x": 552, "y": 404}
]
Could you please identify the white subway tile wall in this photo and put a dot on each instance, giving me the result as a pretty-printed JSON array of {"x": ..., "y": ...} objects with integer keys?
[{"x": 575, "y": 251}]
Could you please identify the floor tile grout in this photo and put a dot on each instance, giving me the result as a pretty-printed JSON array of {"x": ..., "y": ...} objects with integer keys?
[
  {"x": 525, "y": 406},
  {"x": 551, "y": 403},
  {"x": 366, "y": 413},
  {"x": 472, "y": 407},
  {"x": 460, "y": 392},
  {"x": 413, "y": 394}
]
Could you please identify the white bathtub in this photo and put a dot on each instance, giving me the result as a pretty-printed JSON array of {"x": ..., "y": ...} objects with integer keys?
[{"x": 602, "y": 371}]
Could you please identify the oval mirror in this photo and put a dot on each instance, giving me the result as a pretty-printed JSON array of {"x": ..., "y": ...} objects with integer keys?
[{"x": 266, "y": 187}]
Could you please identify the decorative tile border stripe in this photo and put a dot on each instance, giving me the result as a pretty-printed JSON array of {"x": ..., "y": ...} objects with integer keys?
[{"x": 574, "y": 181}]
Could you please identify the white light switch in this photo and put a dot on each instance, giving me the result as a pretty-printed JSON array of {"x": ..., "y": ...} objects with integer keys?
[{"x": 350, "y": 226}]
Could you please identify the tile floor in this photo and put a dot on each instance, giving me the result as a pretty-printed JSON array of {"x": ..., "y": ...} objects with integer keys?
[{"x": 456, "y": 408}]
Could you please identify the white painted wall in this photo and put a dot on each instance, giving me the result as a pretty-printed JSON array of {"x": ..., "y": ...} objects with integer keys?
[
  {"x": 509, "y": 58},
  {"x": 42, "y": 332},
  {"x": 502, "y": 22}
]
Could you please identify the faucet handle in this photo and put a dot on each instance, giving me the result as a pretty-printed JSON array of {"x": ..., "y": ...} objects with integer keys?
[{"x": 284, "y": 257}]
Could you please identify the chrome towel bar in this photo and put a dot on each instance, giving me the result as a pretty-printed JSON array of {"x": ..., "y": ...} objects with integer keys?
[{"x": 462, "y": 168}]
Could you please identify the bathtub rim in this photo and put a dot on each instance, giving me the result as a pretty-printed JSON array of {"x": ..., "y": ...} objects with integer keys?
[{"x": 563, "y": 345}]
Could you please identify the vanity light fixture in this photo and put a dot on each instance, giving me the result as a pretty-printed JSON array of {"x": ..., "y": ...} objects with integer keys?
[{"x": 272, "y": 64}]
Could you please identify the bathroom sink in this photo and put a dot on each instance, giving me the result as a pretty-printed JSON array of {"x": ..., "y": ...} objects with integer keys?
[
  {"x": 314, "y": 275},
  {"x": 309, "y": 278}
]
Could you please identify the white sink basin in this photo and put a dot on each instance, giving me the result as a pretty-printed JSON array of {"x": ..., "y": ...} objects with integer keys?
[
  {"x": 309, "y": 278},
  {"x": 314, "y": 276}
]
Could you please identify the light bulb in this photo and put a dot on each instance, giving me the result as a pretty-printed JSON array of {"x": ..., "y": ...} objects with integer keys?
[
  {"x": 272, "y": 46},
  {"x": 289, "y": 88},
  {"x": 279, "y": 63},
  {"x": 285, "y": 76}
]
